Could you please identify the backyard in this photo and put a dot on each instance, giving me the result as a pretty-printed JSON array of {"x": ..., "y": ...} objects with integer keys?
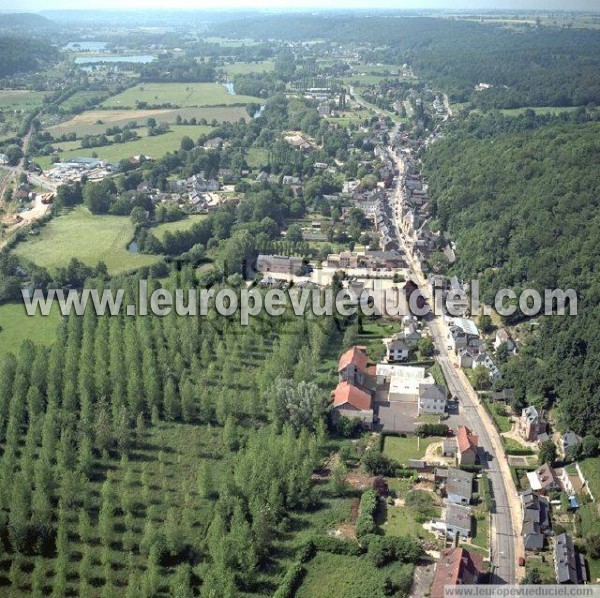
[{"x": 402, "y": 449}]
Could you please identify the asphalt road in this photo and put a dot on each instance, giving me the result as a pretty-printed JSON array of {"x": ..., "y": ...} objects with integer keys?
[{"x": 505, "y": 541}]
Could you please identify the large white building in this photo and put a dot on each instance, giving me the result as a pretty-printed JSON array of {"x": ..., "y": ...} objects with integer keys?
[{"x": 409, "y": 384}]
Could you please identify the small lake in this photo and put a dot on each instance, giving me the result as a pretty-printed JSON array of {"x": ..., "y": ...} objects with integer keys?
[
  {"x": 86, "y": 46},
  {"x": 133, "y": 247},
  {"x": 137, "y": 58}
]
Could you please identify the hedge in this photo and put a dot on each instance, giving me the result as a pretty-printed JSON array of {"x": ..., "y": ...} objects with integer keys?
[
  {"x": 291, "y": 581},
  {"x": 365, "y": 522},
  {"x": 432, "y": 430},
  {"x": 323, "y": 543}
]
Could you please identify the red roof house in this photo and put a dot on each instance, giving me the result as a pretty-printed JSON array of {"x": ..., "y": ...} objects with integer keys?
[
  {"x": 456, "y": 566},
  {"x": 467, "y": 446},
  {"x": 356, "y": 357},
  {"x": 352, "y": 402}
]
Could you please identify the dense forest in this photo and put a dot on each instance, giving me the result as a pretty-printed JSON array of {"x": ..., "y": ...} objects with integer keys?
[
  {"x": 561, "y": 65},
  {"x": 25, "y": 56},
  {"x": 524, "y": 211}
]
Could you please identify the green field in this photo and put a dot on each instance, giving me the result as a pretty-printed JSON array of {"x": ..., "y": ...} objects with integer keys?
[
  {"x": 244, "y": 68},
  {"x": 340, "y": 576},
  {"x": 178, "y": 94},
  {"x": 87, "y": 237},
  {"x": 95, "y": 122},
  {"x": 179, "y": 225},
  {"x": 257, "y": 157},
  {"x": 16, "y": 326},
  {"x": 538, "y": 110},
  {"x": 401, "y": 521},
  {"x": 21, "y": 99},
  {"x": 404, "y": 449},
  {"x": 155, "y": 147}
]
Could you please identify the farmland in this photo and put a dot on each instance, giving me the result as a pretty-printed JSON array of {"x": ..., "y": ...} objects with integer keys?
[
  {"x": 95, "y": 122},
  {"x": 16, "y": 326},
  {"x": 155, "y": 147},
  {"x": 177, "y": 94},
  {"x": 244, "y": 68},
  {"x": 21, "y": 99},
  {"x": 86, "y": 237}
]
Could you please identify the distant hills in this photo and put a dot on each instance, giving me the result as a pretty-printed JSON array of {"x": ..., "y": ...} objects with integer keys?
[{"x": 24, "y": 21}]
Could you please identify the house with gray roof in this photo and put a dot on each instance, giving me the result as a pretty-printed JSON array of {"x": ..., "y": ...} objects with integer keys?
[
  {"x": 459, "y": 486},
  {"x": 569, "y": 564},
  {"x": 458, "y": 521}
]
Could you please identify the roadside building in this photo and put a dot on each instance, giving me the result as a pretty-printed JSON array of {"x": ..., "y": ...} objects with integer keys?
[
  {"x": 456, "y": 567},
  {"x": 458, "y": 521},
  {"x": 467, "y": 446}
]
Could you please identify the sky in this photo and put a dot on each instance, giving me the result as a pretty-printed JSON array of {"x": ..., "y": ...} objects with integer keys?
[{"x": 38, "y": 5}]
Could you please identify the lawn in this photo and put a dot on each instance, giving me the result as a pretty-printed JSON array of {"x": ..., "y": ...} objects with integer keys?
[
  {"x": 481, "y": 530},
  {"x": 16, "y": 326},
  {"x": 544, "y": 564},
  {"x": 179, "y": 225},
  {"x": 244, "y": 68},
  {"x": 401, "y": 521},
  {"x": 177, "y": 94},
  {"x": 341, "y": 576},
  {"x": 155, "y": 147},
  {"x": 591, "y": 471},
  {"x": 404, "y": 449},
  {"x": 87, "y": 237},
  {"x": 501, "y": 419},
  {"x": 257, "y": 157}
]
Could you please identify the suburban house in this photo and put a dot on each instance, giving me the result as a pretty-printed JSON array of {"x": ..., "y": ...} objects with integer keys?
[
  {"x": 432, "y": 399},
  {"x": 449, "y": 447},
  {"x": 345, "y": 259},
  {"x": 352, "y": 367},
  {"x": 462, "y": 333},
  {"x": 567, "y": 441},
  {"x": 396, "y": 349},
  {"x": 569, "y": 564},
  {"x": 536, "y": 520},
  {"x": 459, "y": 486},
  {"x": 488, "y": 363},
  {"x": 458, "y": 521},
  {"x": 531, "y": 424},
  {"x": 465, "y": 358},
  {"x": 352, "y": 402},
  {"x": 456, "y": 567},
  {"x": 503, "y": 338},
  {"x": 279, "y": 264},
  {"x": 543, "y": 479},
  {"x": 467, "y": 446}
]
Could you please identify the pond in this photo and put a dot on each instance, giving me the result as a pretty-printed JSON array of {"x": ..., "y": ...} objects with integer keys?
[
  {"x": 137, "y": 58},
  {"x": 86, "y": 46}
]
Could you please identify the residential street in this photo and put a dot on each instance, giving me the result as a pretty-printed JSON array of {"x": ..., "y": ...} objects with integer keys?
[{"x": 506, "y": 545}]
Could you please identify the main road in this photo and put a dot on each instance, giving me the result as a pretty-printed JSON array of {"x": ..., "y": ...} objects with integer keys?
[{"x": 505, "y": 541}]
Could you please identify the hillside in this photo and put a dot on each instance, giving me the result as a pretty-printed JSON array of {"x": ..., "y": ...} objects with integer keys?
[{"x": 524, "y": 212}]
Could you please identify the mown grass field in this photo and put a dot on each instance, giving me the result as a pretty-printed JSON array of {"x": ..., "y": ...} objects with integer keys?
[
  {"x": 404, "y": 449},
  {"x": 243, "y": 68},
  {"x": 179, "y": 225},
  {"x": 341, "y": 576},
  {"x": 155, "y": 147},
  {"x": 21, "y": 99},
  {"x": 16, "y": 326},
  {"x": 88, "y": 238},
  {"x": 95, "y": 122},
  {"x": 178, "y": 94}
]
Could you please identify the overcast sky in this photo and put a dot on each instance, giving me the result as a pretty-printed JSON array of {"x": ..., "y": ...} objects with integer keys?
[{"x": 36, "y": 5}]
